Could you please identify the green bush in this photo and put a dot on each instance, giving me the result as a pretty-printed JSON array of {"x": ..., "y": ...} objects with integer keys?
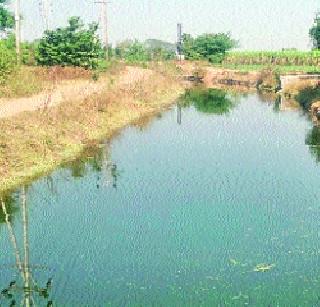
[
  {"x": 71, "y": 46},
  {"x": 136, "y": 52},
  {"x": 212, "y": 47},
  {"x": 7, "y": 61},
  {"x": 6, "y": 17}
]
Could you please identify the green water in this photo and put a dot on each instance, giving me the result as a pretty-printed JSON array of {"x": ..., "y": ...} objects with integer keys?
[{"x": 170, "y": 214}]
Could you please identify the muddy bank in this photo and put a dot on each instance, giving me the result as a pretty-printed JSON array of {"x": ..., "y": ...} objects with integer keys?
[{"x": 267, "y": 79}]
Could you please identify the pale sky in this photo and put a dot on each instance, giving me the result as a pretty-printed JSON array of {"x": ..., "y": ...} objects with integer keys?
[{"x": 257, "y": 24}]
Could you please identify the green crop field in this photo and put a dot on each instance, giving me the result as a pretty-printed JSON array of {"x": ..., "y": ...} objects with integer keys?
[{"x": 280, "y": 58}]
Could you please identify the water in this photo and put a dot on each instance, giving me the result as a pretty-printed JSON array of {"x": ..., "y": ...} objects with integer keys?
[{"x": 220, "y": 210}]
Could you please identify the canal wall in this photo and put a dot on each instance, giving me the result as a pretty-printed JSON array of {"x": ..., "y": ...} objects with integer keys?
[
  {"x": 264, "y": 80},
  {"x": 215, "y": 76},
  {"x": 293, "y": 83}
]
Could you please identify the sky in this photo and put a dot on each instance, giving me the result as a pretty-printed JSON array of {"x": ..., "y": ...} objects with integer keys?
[{"x": 257, "y": 24}]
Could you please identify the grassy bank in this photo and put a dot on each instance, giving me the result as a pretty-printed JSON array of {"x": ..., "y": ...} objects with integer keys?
[{"x": 33, "y": 144}]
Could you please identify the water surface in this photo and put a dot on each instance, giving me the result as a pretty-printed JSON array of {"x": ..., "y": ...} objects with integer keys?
[{"x": 208, "y": 204}]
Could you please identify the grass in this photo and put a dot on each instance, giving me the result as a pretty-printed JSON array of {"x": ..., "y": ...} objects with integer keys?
[
  {"x": 36, "y": 143},
  {"x": 23, "y": 82},
  {"x": 26, "y": 81}
]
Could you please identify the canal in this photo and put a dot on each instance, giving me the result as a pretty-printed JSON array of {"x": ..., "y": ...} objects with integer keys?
[{"x": 215, "y": 202}]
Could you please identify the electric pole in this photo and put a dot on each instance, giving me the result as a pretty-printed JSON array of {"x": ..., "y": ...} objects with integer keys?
[
  {"x": 179, "y": 41},
  {"x": 104, "y": 25},
  {"x": 17, "y": 29}
]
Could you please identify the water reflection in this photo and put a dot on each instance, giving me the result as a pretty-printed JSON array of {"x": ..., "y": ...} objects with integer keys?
[
  {"x": 307, "y": 96},
  {"x": 22, "y": 289},
  {"x": 11, "y": 207},
  {"x": 95, "y": 159},
  {"x": 313, "y": 141},
  {"x": 211, "y": 101}
]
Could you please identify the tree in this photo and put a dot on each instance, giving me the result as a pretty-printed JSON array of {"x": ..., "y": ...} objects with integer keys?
[
  {"x": 315, "y": 32},
  {"x": 71, "y": 46},
  {"x": 188, "y": 48},
  {"x": 6, "y": 17},
  {"x": 212, "y": 47}
]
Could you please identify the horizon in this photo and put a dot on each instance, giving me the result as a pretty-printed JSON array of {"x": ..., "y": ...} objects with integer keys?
[{"x": 268, "y": 26}]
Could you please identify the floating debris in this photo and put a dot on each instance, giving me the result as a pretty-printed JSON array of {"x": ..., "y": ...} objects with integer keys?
[
  {"x": 240, "y": 296},
  {"x": 234, "y": 261},
  {"x": 263, "y": 267}
]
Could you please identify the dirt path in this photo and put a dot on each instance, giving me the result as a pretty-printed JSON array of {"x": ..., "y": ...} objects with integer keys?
[{"x": 69, "y": 90}]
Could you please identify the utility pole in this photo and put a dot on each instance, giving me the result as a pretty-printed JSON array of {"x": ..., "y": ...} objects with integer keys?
[
  {"x": 179, "y": 41},
  {"x": 18, "y": 29},
  {"x": 104, "y": 25}
]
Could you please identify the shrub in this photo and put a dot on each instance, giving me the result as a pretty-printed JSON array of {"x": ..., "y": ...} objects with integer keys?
[
  {"x": 308, "y": 96},
  {"x": 7, "y": 61},
  {"x": 136, "y": 52},
  {"x": 70, "y": 46}
]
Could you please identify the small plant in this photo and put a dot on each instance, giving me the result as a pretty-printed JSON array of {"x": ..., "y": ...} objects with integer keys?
[{"x": 7, "y": 62}]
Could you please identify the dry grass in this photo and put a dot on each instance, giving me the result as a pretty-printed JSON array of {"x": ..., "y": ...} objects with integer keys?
[
  {"x": 35, "y": 143},
  {"x": 27, "y": 81}
]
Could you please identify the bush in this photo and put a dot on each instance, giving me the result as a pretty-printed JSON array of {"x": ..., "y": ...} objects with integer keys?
[
  {"x": 136, "y": 52},
  {"x": 308, "y": 96},
  {"x": 7, "y": 61},
  {"x": 212, "y": 47},
  {"x": 70, "y": 46}
]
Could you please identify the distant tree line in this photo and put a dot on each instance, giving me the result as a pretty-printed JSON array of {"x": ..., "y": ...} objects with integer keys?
[{"x": 79, "y": 45}]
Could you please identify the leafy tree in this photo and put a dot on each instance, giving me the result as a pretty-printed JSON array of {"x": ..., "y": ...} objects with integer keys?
[
  {"x": 315, "y": 32},
  {"x": 6, "y": 17},
  {"x": 71, "y": 46},
  {"x": 212, "y": 47},
  {"x": 188, "y": 48}
]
